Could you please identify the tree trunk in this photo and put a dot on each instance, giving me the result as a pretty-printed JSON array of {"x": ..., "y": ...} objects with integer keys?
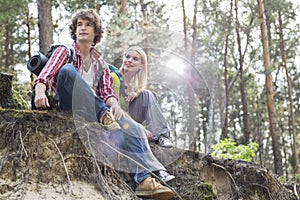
[
  {"x": 5, "y": 89},
  {"x": 292, "y": 117},
  {"x": 190, "y": 93},
  {"x": 45, "y": 24},
  {"x": 124, "y": 12},
  {"x": 225, "y": 125},
  {"x": 123, "y": 7},
  {"x": 246, "y": 130},
  {"x": 269, "y": 91},
  {"x": 8, "y": 47},
  {"x": 184, "y": 26},
  {"x": 29, "y": 39},
  {"x": 145, "y": 28},
  {"x": 194, "y": 36}
]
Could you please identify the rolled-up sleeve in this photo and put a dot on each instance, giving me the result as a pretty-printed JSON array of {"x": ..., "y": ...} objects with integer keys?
[
  {"x": 106, "y": 84},
  {"x": 55, "y": 62}
]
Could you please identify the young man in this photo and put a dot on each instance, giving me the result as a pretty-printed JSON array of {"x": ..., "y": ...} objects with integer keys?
[
  {"x": 84, "y": 86},
  {"x": 79, "y": 78}
]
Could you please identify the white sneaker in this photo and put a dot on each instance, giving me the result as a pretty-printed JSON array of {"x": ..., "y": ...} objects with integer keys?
[
  {"x": 165, "y": 176},
  {"x": 164, "y": 142}
]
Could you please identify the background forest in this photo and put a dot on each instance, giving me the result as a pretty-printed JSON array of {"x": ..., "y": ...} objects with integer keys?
[{"x": 221, "y": 68}]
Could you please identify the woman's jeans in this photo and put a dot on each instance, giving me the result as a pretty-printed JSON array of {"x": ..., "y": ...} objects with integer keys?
[
  {"x": 76, "y": 95},
  {"x": 145, "y": 108}
]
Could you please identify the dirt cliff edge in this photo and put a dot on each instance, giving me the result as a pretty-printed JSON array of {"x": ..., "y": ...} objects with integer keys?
[{"x": 42, "y": 157}]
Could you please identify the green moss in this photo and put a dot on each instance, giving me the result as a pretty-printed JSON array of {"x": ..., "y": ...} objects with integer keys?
[
  {"x": 17, "y": 102},
  {"x": 201, "y": 191}
]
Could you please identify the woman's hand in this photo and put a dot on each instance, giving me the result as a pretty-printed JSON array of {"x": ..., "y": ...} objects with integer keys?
[
  {"x": 131, "y": 96},
  {"x": 149, "y": 135}
]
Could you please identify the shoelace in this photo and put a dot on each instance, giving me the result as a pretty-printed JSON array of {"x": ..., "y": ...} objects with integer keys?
[
  {"x": 163, "y": 174},
  {"x": 153, "y": 183},
  {"x": 107, "y": 118},
  {"x": 163, "y": 140}
]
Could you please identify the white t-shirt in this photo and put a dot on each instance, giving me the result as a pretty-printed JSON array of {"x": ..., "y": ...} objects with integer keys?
[{"x": 88, "y": 77}]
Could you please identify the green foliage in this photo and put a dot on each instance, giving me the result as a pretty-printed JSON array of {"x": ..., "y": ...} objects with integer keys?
[
  {"x": 228, "y": 149},
  {"x": 281, "y": 179},
  {"x": 297, "y": 177},
  {"x": 13, "y": 33}
]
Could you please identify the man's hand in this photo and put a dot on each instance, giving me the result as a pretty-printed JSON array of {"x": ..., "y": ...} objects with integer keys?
[
  {"x": 40, "y": 99},
  {"x": 117, "y": 111},
  {"x": 115, "y": 108}
]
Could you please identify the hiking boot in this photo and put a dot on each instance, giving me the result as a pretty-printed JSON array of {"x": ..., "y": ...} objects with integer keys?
[
  {"x": 165, "y": 176},
  {"x": 150, "y": 188},
  {"x": 164, "y": 142},
  {"x": 108, "y": 121}
]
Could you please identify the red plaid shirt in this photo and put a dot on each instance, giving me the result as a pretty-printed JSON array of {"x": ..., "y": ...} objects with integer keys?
[{"x": 103, "y": 82}]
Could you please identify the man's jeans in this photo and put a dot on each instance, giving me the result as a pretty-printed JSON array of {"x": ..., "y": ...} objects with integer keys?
[
  {"x": 136, "y": 146},
  {"x": 76, "y": 95}
]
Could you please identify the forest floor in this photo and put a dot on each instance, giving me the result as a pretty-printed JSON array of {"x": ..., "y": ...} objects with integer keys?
[{"x": 42, "y": 157}]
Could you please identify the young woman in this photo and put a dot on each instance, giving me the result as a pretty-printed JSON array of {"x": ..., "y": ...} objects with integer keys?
[{"x": 140, "y": 103}]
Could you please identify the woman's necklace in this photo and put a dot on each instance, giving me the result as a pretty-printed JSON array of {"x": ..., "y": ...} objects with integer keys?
[{"x": 87, "y": 61}]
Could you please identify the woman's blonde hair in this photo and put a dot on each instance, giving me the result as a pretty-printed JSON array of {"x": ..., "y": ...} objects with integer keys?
[{"x": 139, "y": 80}]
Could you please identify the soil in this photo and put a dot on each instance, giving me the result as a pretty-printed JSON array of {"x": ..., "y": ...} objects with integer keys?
[{"x": 42, "y": 157}]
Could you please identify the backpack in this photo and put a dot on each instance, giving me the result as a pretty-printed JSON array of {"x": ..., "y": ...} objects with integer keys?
[
  {"x": 37, "y": 62},
  {"x": 119, "y": 86},
  {"x": 113, "y": 69}
]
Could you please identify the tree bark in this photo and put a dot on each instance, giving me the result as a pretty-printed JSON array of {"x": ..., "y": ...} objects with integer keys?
[
  {"x": 45, "y": 24},
  {"x": 292, "y": 117},
  {"x": 184, "y": 26},
  {"x": 123, "y": 7},
  {"x": 8, "y": 47},
  {"x": 190, "y": 94},
  {"x": 246, "y": 129},
  {"x": 5, "y": 89},
  {"x": 225, "y": 125},
  {"x": 269, "y": 91},
  {"x": 29, "y": 39},
  {"x": 194, "y": 36},
  {"x": 227, "y": 91}
]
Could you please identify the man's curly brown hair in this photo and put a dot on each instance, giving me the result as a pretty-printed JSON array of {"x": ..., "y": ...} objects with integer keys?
[{"x": 92, "y": 16}]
